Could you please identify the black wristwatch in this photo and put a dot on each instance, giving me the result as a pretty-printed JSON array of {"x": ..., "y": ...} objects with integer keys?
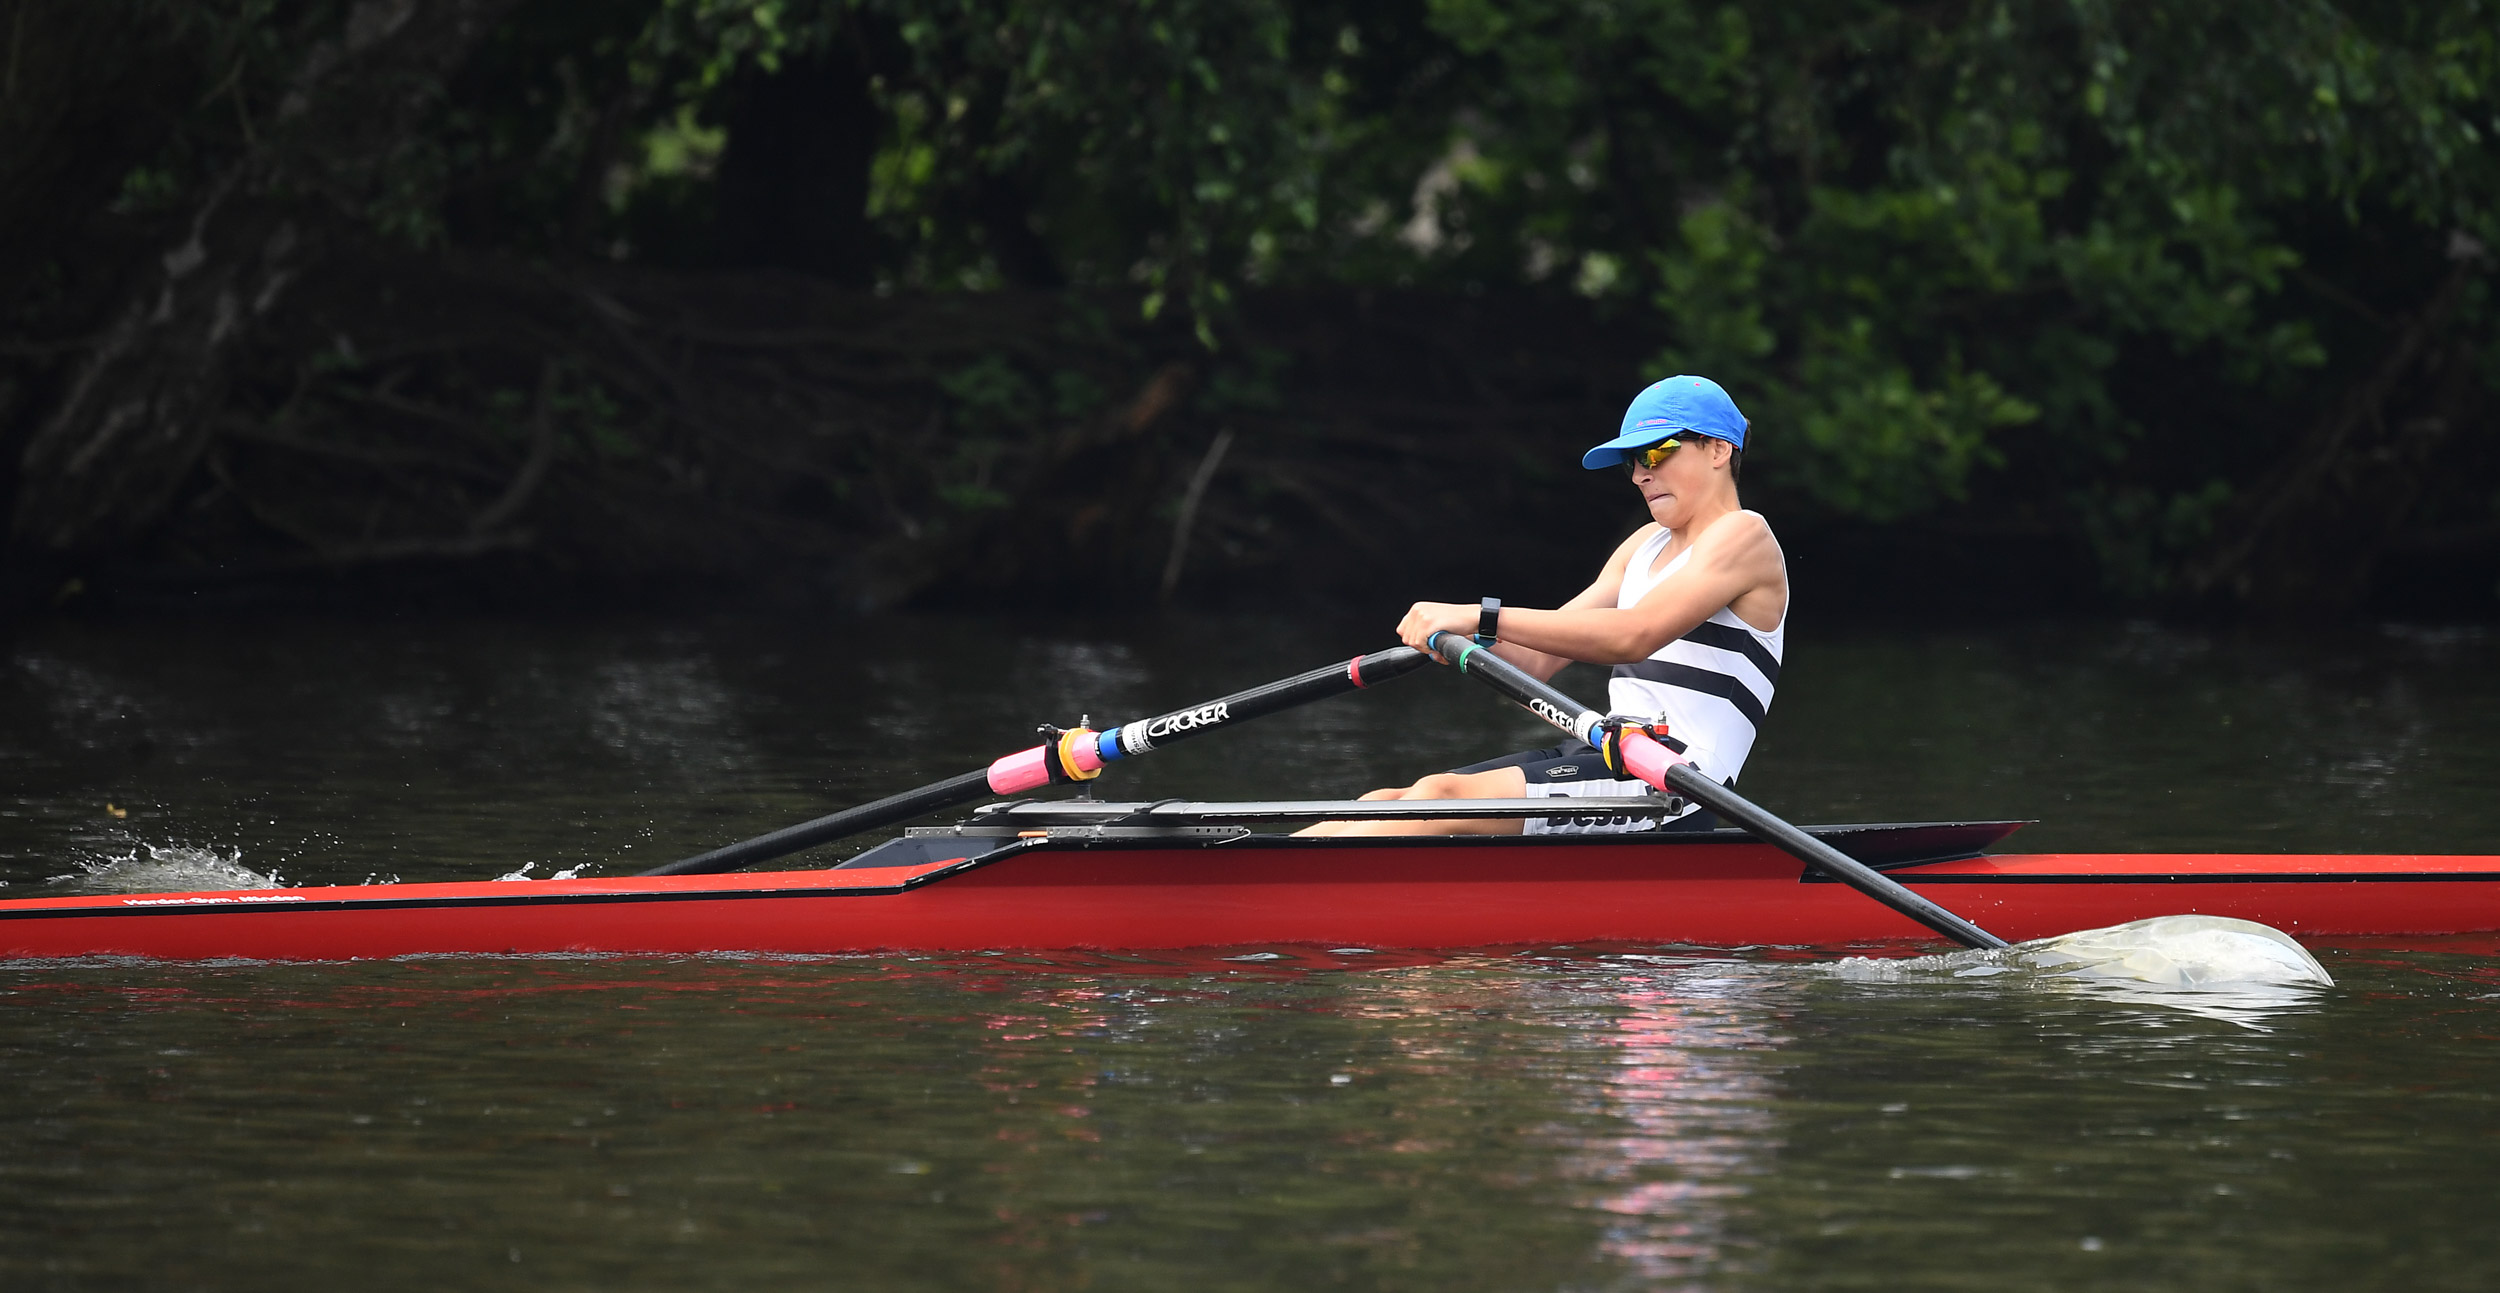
[{"x": 1488, "y": 621}]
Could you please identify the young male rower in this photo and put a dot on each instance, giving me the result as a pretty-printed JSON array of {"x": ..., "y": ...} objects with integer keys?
[{"x": 1691, "y": 611}]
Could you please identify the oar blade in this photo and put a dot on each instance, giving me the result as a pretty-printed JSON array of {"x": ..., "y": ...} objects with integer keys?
[
  {"x": 2233, "y": 971},
  {"x": 2188, "y": 952}
]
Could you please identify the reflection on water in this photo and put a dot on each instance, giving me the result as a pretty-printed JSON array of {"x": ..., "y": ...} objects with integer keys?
[
  {"x": 1691, "y": 1087},
  {"x": 1581, "y": 1118},
  {"x": 2256, "y": 1006},
  {"x": 665, "y": 711}
]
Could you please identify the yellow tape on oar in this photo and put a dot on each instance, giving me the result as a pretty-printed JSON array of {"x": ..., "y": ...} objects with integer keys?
[{"x": 1079, "y": 767}]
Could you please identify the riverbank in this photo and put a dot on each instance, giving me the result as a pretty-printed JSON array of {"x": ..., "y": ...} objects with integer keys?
[{"x": 467, "y": 432}]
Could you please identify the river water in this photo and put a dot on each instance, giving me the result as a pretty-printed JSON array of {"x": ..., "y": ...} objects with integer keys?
[{"x": 1541, "y": 1118}]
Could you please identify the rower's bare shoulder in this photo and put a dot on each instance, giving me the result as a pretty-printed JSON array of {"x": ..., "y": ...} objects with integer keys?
[
  {"x": 1622, "y": 556},
  {"x": 1741, "y": 543},
  {"x": 1738, "y": 534}
]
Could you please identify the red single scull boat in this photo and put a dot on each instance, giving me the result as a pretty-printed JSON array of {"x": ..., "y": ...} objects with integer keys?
[{"x": 1080, "y": 874}]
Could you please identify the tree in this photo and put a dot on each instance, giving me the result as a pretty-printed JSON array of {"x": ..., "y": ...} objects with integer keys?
[
  {"x": 326, "y": 143},
  {"x": 2201, "y": 288}
]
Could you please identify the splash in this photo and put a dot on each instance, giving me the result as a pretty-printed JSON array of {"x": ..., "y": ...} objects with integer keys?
[
  {"x": 522, "y": 872},
  {"x": 171, "y": 868},
  {"x": 2216, "y": 966}
]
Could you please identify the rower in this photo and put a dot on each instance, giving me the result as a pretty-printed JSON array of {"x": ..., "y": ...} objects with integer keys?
[{"x": 1691, "y": 611}]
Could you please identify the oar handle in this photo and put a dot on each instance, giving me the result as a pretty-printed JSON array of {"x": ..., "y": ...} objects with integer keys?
[
  {"x": 1652, "y": 762},
  {"x": 1080, "y": 754},
  {"x": 1530, "y": 692}
]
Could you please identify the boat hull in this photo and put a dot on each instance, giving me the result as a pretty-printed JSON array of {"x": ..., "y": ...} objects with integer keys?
[{"x": 1375, "y": 894}]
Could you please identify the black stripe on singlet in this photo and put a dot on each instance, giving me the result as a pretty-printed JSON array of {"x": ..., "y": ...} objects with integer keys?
[
  {"x": 1705, "y": 681},
  {"x": 1727, "y": 638}
]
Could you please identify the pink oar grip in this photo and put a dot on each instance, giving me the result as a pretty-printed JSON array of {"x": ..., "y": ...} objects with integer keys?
[
  {"x": 1085, "y": 751},
  {"x": 1643, "y": 758},
  {"x": 1022, "y": 770}
]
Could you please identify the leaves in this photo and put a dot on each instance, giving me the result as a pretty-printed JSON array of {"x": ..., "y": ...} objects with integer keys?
[{"x": 1930, "y": 248}]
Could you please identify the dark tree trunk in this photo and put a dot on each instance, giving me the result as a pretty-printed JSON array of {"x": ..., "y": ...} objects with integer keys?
[
  {"x": 87, "y": 88},
  {"x": 2308, "y": 536},
  {"x": 141, "y": 404}
]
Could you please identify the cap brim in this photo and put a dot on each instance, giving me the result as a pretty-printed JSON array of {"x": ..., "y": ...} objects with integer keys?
[{"x": 1613, "y": 452}]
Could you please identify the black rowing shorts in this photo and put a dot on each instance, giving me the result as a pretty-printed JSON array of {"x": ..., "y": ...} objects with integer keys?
[{"x": 1572, "y": 770}]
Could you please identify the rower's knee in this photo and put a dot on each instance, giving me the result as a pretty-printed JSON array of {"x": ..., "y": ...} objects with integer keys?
[
  {"x": 1393, "y": 792},
  {"x": 1440, "y": 785}
]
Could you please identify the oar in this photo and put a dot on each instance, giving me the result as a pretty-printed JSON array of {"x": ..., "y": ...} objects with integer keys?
[
  {"x": 1077, "y": 755},
  {"x": 1652, "y": 762}
]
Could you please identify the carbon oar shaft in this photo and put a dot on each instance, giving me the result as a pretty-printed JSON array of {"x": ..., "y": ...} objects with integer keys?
[
  {"x": 1086, "y": 750},
  {"x": 1654, "y": 763},
  {"x": 833, "y": 826}
]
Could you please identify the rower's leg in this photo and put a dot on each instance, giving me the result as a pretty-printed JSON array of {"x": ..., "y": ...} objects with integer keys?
[{"x": 1500, "y": 783}]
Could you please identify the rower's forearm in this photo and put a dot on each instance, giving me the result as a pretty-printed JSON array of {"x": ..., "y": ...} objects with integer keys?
[{"x": 1596, "y": 635}]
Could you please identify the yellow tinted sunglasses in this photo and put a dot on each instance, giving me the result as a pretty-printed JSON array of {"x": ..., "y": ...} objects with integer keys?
[{"x": 1650, "y": 457}]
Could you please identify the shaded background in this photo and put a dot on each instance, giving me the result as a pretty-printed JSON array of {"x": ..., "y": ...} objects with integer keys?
[{"x": 862, "y": 303}]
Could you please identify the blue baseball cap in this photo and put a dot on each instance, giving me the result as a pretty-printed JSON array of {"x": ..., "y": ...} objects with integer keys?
[{"x": 1678, "y": 404}]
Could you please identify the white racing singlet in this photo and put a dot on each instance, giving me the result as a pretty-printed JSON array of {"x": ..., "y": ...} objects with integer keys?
[{"x": 1710, "y": 688}]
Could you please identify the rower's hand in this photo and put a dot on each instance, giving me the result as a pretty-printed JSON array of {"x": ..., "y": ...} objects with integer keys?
[{"x": 1424, "y": 619}]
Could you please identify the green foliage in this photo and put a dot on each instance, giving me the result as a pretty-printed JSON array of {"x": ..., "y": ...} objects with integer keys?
[
  {"x": 2134, "y": 531},
  {"x": 2098, "y": 250},
  {"x": 991, "y": 391},
  {"x": 1152, "y": 144},
  {"x": 990, "y": 403},
  {"x": 1905, "y": 234}
]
